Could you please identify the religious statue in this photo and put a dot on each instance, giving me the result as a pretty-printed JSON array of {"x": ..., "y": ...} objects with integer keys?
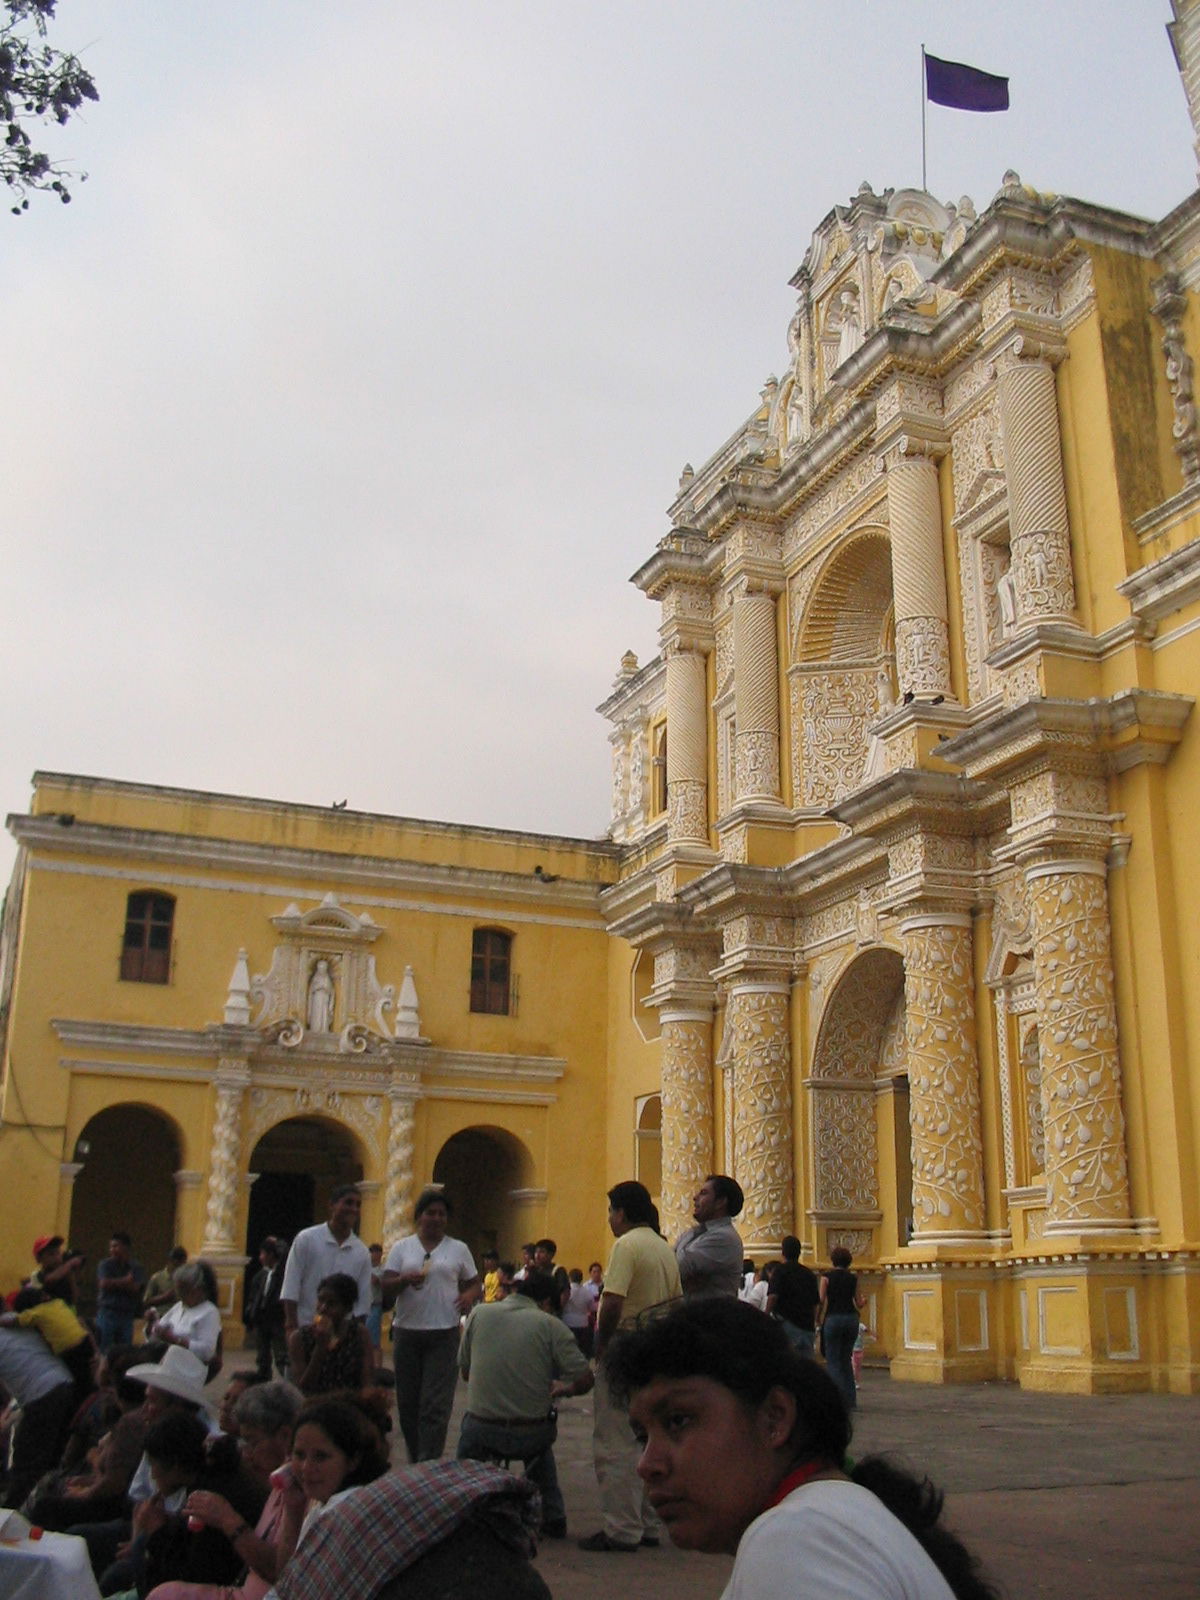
[
  {"x": 849, "y": 331},
  {"x": 320, "y": 999},
  {"x": 1006, "y": 591}
]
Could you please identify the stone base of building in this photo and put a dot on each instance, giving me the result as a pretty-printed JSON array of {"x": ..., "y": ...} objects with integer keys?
[{"x": 1074, "y": 1320}]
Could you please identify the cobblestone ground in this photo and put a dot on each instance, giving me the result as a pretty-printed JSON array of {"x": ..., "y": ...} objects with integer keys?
[{"x": 1064, "y": 1497}]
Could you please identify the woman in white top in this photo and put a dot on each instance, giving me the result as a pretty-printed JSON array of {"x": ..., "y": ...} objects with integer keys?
[
  {"x": 193, "y": 1321},
  {"x": 434, "y": 1282},
  {"x": 744, "y": 1450}
]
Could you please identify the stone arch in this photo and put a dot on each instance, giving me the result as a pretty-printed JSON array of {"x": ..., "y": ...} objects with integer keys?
[
  {"x": 857, "y": 1041},
  {"x": 128, "y": 1156},
  {"x": 295, "y": 1162},
  {"x": 486, "y": 1171},
  {"x": 843, "y": 672}
]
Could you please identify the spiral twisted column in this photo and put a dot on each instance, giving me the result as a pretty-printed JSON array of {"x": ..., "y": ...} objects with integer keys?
[
  {"x": 757, "y": 1018},
  {"x": 687, "y": 1112},
  {"x": 1039, "y": 533},
  {"x": 1087, "y": 1179},
  {"x": 756, "y": 696},
  {"x": 398, "y": 1195},
  {"x": 918, "y": 576},
  {"x": 231, "y": 1082},
  {"x": 687, "y": 747},
  {"x": 943, "y": 1077}
]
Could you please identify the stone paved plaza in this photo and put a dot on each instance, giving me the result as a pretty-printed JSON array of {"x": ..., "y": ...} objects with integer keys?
[{"x": 1065, "y": 1497}]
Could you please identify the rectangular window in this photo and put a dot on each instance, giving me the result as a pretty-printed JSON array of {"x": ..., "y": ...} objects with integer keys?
[
  {"x": 491, "y": 964},
  {"x": 146, "y": 946}
]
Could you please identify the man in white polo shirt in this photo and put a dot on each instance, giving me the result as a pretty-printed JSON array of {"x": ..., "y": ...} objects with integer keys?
[{"x": 332, "y": 1246}]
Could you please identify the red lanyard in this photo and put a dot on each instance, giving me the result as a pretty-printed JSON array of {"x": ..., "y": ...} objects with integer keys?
[{"x": 795, "y": 1480}]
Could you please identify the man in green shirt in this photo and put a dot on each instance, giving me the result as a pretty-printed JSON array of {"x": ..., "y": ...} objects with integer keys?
[
  {"x": 518, "y": 1357},
  {"x": 642, "y": 1272}
]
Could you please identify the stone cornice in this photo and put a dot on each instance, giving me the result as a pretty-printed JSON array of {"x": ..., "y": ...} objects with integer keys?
[
  {"x": 946, "y": 802},
  {"x": 102, "y": 842},
  {"x": 1122, "y": 731},
  {"x": 218, "y": 1042},
  {"x": 1170, "y": 583}
]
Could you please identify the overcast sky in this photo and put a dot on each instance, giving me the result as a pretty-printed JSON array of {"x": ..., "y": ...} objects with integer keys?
[{"x": 347, "y": 394}]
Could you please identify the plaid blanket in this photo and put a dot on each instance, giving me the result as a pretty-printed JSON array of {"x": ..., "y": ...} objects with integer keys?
[{"x": 385, "y": 1526}]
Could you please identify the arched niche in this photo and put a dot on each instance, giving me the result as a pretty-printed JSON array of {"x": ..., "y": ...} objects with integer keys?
[
  {"x": 484, "y": 1170},
  {"x": 129, "y": 1155},
  {"x": 843, "y": 673},
  {"x": 858, "y": 1042}
]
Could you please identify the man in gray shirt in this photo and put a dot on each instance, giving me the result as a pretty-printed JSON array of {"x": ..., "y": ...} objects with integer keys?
[
  {"x": 710, "y": 1254},
  {"x": 517, "y": 1357}
]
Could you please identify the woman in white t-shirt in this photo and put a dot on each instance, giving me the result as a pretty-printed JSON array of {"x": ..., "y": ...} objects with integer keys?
[
  {"x": 744, "y": 1450},
  {"x": 434, "y": 1282}
]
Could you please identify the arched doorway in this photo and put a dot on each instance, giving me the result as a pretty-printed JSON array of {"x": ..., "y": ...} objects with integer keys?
[
  {"x": 860, "y": 1042},
  {"x": 480, "y": 1169},
  {"x": 129, "y": 1156},
  {"x": 296, "y": 1165}
]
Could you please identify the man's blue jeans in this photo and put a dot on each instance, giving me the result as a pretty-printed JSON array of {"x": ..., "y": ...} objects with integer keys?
[
  {"x": 804, "y": 1340},
  {"x": 532, "y": 1443}
]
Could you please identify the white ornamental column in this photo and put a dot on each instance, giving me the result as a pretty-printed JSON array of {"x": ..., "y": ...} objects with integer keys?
[
  {"x": 1039, "y": 534},
  {"x": 756, "y": 696},
  {"x": 757, "y": 1019},
  {"x": 918, "y": 576},
  {"x": 231, "y": 1081},
  {"x": 943, "y": 1077},
  {"x": 397, "y": 1206},
  {"x": 1087, "y": 1177},
  {"x": 687, "y": 1112},
  {"x": 687, "y": 746}
]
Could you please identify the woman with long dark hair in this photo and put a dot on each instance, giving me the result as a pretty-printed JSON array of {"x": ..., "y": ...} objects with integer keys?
[{"x": 744, "y": 1450}]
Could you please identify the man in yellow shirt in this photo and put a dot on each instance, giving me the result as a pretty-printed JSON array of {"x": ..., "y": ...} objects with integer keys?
[{"x": 642, "y": 1272}]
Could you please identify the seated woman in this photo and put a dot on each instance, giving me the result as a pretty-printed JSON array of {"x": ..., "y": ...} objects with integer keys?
[
  {"x": 338, "y": 1444},
  {"x": 334, "y": 1352},
  {"x": 266, "y": 1418},
  {"x": 167, "y": 1544},
  {"x": 745, "y": 1451},
  {"x": 193, "y": 1321}
]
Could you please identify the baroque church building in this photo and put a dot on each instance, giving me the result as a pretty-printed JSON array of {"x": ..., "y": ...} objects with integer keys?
[{"x": 892, "y": 921}]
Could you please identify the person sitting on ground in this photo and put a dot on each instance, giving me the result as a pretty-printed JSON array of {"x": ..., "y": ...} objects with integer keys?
[
  {"x": 338, "y": 1445},
  {"x": 166, "y": 1545},
  {"x": 441, "y": 1530},
  {"x": 266, "y": 1420},
  {"x": 744, "y": 1452},
  {"x": 245, "y": 1378},
  {"x": 193, "y": 1321},
  {"x": 334, "y": 1351},
  {"x": 103, "y": 1449}
]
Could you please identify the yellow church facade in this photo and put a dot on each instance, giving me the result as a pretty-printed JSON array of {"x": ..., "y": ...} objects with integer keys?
[
  {"x": 218, "y": 1008},
  {"x": 893, "y": 921}
]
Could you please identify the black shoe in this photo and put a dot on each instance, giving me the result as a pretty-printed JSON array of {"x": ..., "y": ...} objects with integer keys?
[
  {"x": 554, "y": 1530},
  {"x": 601, "y": 1541},
  {"x": 650, "y": 1541}
]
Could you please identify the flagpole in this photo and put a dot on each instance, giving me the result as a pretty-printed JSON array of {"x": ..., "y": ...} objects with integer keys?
[{"x": 924, "y": 181}]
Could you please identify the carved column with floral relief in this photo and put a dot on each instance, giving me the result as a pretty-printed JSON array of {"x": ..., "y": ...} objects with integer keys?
[
  {"x": 943, "y": 1076},
  {"x": 1087, "y": 1178},
  {"x": 758, "y": 1047},
  {"x": 684, "y": 994},
  {"x": 231, "y": 1080},
  {"x": 1039, "y": 533}
]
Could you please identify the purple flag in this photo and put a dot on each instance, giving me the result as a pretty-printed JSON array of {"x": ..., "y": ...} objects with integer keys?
[{"x": 950, "y": 83}]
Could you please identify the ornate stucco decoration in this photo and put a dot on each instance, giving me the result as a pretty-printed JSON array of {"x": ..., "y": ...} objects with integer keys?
[
  {"x": 1169, "y": 305},
  {"x": 322, "y": 989}
]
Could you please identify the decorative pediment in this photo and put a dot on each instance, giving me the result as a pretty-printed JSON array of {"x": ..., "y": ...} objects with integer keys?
[{"x": 322, "y": 990}]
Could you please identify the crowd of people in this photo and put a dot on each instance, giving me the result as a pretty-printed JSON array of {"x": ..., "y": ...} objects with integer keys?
[{"x": 694, "y": 1356}]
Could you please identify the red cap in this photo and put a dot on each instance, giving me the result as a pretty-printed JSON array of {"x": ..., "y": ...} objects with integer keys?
[{"x": 43, "y": 1244}]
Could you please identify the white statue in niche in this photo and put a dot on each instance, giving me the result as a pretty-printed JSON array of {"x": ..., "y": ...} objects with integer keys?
[
  {"x": 320, "y": 999},
  {"x": 1006, "y": 593},
  {"x": 849, "y": 330}
]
